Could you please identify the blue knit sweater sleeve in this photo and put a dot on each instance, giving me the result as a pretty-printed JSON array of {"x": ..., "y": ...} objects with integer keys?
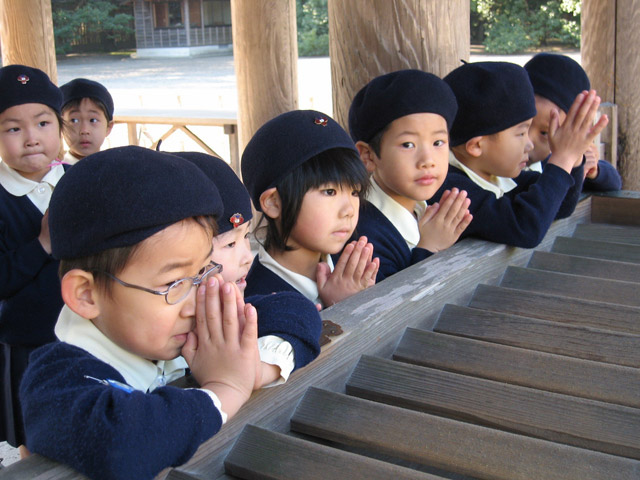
[
  {"x": 388, "y": 244},
  {"x": 292, "y": 317},
  {"x": 262, "y": 281},
  {"x": 104, "y": 432},
  {"x": 522, "y": 216},
  {"x": 608, "y": 179}
]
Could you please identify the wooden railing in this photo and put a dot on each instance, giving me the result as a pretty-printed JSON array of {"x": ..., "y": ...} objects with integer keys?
[{"x": 181, "y": 120}]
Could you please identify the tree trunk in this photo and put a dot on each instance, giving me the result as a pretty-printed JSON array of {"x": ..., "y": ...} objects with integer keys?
[
  {"x": 372, "y": 37},
  {"x": 26, "y": 30}
]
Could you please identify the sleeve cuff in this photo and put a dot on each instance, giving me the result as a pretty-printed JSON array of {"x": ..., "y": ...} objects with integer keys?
[
  {"x": 277, "y": 351},
  {"x": 216, "y": 402}
]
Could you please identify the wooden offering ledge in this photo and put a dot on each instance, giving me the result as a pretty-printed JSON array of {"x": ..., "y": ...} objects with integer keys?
[
  {"x": 180, "y": 120},
  {"x": 483, "y": 362}
]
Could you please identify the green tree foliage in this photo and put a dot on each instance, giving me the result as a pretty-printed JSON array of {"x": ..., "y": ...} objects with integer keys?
[
  {"x": 512, "y": 26},
  {"x": 313, "y": 27},
  {"x": 98, "y": 24}
]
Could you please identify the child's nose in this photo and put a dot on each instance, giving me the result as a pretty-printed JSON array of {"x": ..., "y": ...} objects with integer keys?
[
  {"x": 189, "y": 303},
  {"x": 425, "y": 158},
  {"x": 31, "y": 137},
  {"x": 349, "y": 205}
]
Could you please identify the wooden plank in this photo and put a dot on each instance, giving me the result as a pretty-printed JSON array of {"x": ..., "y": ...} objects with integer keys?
[
  {"x": 608, "y": 233},
  {"x": 585, "y": 266},
  {"x": 373, "y": 321},
  {"x": 38, "y": 467},
  {"x": 621, "y": 208},
  {"x": 572, "y": 286},
  {"x": 600, "y": 426},
  {"x": 449, "y": 444},
  {"x": 259, "y": 453},
  {"x": 551, "y": 337},
  {"x": 179, "y": 116},
  {"x": 555, "y": 308},
  {"x": 620, "y": 252},
  {"x": 528, "y": 368}
]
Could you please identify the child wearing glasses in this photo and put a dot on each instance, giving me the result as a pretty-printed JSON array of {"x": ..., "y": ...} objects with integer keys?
[
  {"x": 289, "y": 325},
  {"x": 303, "y": 172},
  {"x": 143, "y": 302}
]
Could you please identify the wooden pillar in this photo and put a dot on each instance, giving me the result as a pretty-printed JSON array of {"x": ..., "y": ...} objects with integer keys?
[
  {"x": 26, "y": 32},
  {"x": 187, "y": 21},
  {"x": 265, "y": 51},
  {"x": 372, "y": 37},
  {"x": 611, "y": 58}
]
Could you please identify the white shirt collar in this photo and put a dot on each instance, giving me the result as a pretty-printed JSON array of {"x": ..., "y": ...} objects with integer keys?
[
  {"x": 307, "y": 287},
  {"x": 138, "y": 372},
  {"x": 70, "y": 159},
  {"x": 498, "y": 185},
  {"x": 402, "y": 219},
  {"x": 535, "y": 167},
  {"x": 38, "y": 192}
]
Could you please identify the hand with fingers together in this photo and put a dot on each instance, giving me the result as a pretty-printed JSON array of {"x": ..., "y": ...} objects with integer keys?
[
  {"x": 571, "y": 140},
  {"x": 442, "y": 223},
  {"x": 222, "y": 351},
  {"x": 356, "y": 270}
]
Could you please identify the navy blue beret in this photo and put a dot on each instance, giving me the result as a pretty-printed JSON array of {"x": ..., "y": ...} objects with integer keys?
[
  {"x": 557, "y": 78},
  {"x": 121, "y": 196},
  {"x": 397, "y": 94},
  {"x": 286, "y": 142},
  {"x": 80, "y": 88},
  {"x": 20, "y": 84},
  {"x": 235, "y": 198},
  {"x": 492, "y": 96}
]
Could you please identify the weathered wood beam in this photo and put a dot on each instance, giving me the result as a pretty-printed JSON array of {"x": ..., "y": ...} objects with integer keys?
[{"x": 26, "y": 32}]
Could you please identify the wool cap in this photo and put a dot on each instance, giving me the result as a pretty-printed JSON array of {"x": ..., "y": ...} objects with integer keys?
[
  {"x": 492, "y": 96},
  {"x": 557, "y": 78},
  {"x": 286, "y": 142},
  {"x": 397, "y": 94},
  {"x": 20, "y": 84},
  {"x": 121, "y": 196},
  {"x": 235, "y": 198},
  {"x": 80, "y": 88}
]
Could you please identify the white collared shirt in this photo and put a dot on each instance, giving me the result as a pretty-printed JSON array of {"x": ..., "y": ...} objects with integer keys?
[
  {"x": 70, "y": 159},
  {"x": 38, "y": 192},
  {"x": 498, "y": 185},
  {"x": 306, "y": 286},
  {"x": 141, "y": 374},
  {"x": 535, "y": 167},
  {"x": 402, "y": 219}
]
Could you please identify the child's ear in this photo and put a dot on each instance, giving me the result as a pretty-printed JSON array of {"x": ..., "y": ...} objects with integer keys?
[
  {"x": 79, "y": 292},
  {"x": 109, "y": 127},
  {"x": 270, "y": 202},
  {"x": 367, "y": 155},
  {"x": 474, "y": 146}
]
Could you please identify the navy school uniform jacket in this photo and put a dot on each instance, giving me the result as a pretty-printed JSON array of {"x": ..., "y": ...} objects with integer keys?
[
  {"x": 522, "y": 216},
  {"x": 30, "y": 299},
  {"x": 104, "y": 432},
  {"x": 608, "y": 178},
  {"x": 388, "y": 244},
  {"x": 107, "y": 433}
]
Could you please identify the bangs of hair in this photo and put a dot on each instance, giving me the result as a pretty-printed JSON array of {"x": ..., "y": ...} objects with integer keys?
[
  {"x": 75, "y": 103},
  {"x": 114, "y": 260},
  {"x": 338, "y": 166}
]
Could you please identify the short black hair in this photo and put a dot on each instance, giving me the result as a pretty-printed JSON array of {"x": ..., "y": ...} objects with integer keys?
[
  {"x": 341, "y": 166},
  {"x": 75, "y": 103},
  {"x": 114, "y": 260}
]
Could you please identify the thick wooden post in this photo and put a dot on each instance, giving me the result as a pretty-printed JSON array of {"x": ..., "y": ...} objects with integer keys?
[
  {"x": 372, "y": 37},
  {"x": 265, "y": 50},
  {"x": 611, "y": 58},
  {"x": 26, "y": 31}
]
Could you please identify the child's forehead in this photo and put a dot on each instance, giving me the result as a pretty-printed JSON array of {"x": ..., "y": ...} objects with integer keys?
[
  {"x": 25, "y": 110},
  {"x": 422, "y": 122},
  {"x": 186, "y": 240},
  {"x": 86, "y": 104}
]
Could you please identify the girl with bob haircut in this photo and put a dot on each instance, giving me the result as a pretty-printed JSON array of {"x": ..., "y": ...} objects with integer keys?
[{"x": 304, "y": 174}]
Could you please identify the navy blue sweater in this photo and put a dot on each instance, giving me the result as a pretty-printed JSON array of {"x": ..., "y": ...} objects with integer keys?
[
  {"x": 608, "y": 179},
  {"x": 291, "y": 317},
  {"x": 388, "y": 244},
  {"x": 104, "y": 432},
  {"x": 30, "y": 299},
  {"x": 522, "y": 216}
]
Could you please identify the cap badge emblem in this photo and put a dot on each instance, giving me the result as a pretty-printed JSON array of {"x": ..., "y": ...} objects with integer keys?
[
  {"x": 23, "y": 79},
  {"x": 322, "y": 121},
  {"x": 236, "y": 220}
]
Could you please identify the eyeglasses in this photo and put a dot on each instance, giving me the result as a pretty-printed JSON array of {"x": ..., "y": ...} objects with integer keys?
[{"x": 179, "y": 289}]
